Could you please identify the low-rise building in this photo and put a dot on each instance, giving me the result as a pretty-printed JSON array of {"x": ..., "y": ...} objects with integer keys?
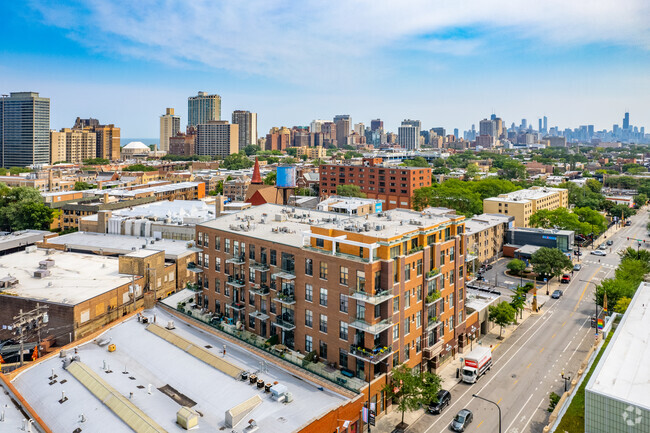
[
  {"x": 625, "y": 200},
  {"x": 486, "y": 236},
  {"x": 522, "y": 204},
  {"x": 350, "y": 205},
  {"x": 549, "y": 238},
  {"x": 235, "y": 189}
]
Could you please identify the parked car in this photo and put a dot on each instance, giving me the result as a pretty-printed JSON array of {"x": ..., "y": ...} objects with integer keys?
[
  {"x": 577, "y": 267},
  {"x": 566, "y": 278},
  {"x": 556, "y": 294},
  {"x": 577, "y": 253},
  {"x": 602, "y": 246},
  {"x": 610, "y": 242},
  {"x": 444, "y": 398},
  {"x": 628, "y": 223},
  {"x": 488, "y": 267},
  {"x": 462, "y": 420},
  {"x": 598, "y": 253}
]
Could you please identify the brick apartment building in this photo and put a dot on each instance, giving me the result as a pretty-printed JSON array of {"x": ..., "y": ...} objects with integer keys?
[
  {"x": 393, "y": 185},
  {"x": 365, "y": 293}
]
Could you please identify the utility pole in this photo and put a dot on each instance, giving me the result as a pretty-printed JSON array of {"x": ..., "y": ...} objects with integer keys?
[{"x": 31, "y": 320}]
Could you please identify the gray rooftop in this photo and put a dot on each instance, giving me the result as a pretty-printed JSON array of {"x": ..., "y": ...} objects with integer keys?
[
  {"x": 623, "y": 373},
  {"x": 525, "y": 195},
  {"x": 485, "y": 221},
  {"x": 21, "y": 238}
]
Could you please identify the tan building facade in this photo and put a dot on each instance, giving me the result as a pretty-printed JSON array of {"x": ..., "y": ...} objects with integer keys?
[
  {"x": 57, "y": 146},
  {"x": 524, "y": 203},
  {"x": 485, "y": 236}
]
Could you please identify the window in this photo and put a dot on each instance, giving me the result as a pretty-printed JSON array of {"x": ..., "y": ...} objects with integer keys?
[
  {"x": 251, "y": 322},
  {"x": 309, "y": 267},
  {"x": 418, "y": 344},
  {"x": 418, "y": 319},
  {"x": 217, "y": 264},
  {"x": 442, "y": 257},
  {"x": 451, "y": 323},
  {"x": 320, "y": 243},
  {"x": 217, "y": 285},
  {"x": 451, "y": 277},
  {"x": 343, "y": 331},
  {"x": 407, "y": 353},
  {"x": 323, "y": 297},
  {"x": 226, "y": 247},
  {"x": 396, "y": 332},
  {"x": 323, "y": 323},
  {"x": 396, "y": 359},
  {"x": 251, "y": 298},
  {"x": 309, "y": 292},
  {"x": 407, "y": 299},
  {"x": 199, "y": 239},
  {"x": 323, "y": 270},
  {"x": 361, "y": 281},
  {"x": 418, "y": 267},
  {"x": 274, "y": 261},
  {"x": 343, "y": 303},
  {"x": 251, "y": 252},
  {"x": 460, "y": 316},
  {"x": 217, "y": 243},
  {"x": 343, "y": 358},
  {"x": 460, "y": 272},
  {"x": 309, "y": 318},
  {"x": 226, "y": 290},
  {"x": 450, "y": 301},
  {"x": 343, "y": 276},
  {"x": 308, "y": 343},
  {"x": 206, "y": 260},
  {"x": 418, "y": 292},
  {"x": 251, "y": 275},
  {"x": 407, "y": 326},
  {"x": 407, "y": 272},
  {"x": 395, "y": 304}
]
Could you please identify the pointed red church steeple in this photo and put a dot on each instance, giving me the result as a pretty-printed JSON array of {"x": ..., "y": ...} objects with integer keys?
[{"x": 257, "y": 178}]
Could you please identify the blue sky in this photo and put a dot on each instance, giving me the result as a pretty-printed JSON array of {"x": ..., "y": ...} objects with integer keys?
[{"x": 446, "y": 62}]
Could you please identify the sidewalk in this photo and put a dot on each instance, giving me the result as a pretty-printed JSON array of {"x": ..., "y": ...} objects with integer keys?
[{"x": 448, "y": 372}]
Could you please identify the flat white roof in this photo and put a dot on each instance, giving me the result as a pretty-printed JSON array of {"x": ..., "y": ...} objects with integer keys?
[
  {"x": 153, "y": 188},
  {"x": 484, "y": 221},
  {"x": 13, "y": 421},
  {"x": 526, "y": 194},
  {"x": 74, "y": 278},
  {"x": 119, "y": 244},
  {"x": 151, "y": 360},
  {"x": 176, "y": 210},
  {"x": 623, "y": 373}
]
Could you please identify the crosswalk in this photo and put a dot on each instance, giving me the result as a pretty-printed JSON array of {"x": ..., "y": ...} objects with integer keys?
[{"x": 595, "y": 262}]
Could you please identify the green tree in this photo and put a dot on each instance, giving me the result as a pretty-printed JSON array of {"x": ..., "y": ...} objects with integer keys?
[
  {"x": 418, "y": 161},
  {"x": 236, "y": 161},
  {"x": 139, "y": 167},
  {"x": 640, "y": 200},
  {"x": 293, "y": 151},
  {"x": 289, "y": 160},
  {"x": 269, "y": 179},
  {"x": 512, "y": 169},
  {"x": 96, "y": 161},
  {"x": 82, "y": 186},
  {"x": 561, "y": 218},
  {"x": 517, "y": 266},
  {"x": 622, "y": 304},
  {"x": 410, "y": 390},
  {"x": 550, "y": 262},
  {"x": 23, "y": 208},
  {"x": 349, "y": 191},
  {"x": 592, "y": 217},
  {"x": 252, "y": 149},
  {"x": 620, "y": 211},
  {"x": 502, "y": 314},
  {"x": 471, "y": 172}
]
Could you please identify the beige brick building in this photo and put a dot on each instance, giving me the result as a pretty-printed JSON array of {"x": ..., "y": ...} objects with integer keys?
[
  {"x": 525, "y": 202},
  {"x": 485, "y": 236}
]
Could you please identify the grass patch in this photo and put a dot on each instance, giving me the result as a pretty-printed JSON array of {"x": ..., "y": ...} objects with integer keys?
[{"x": 573, "y": 420}]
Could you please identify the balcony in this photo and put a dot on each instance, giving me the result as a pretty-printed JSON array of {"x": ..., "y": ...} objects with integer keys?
[
  {"x": 236, "y": 306},
  {"x": 285, "y": 275},
  {"x": 240, "y": 260},
  {"x": 373, "y": 356},
  {"x": 431, "y": 298},
  {"x": 287, "y": 298},
  {"x": 375, "y": 299},
  {"x": 432, "y": 273},
  {"x": 259, "y": 267},
  {"x": 432, "y": 322},
  {"x": 428, "y": 353},
  {"x": 284, "y": 324},
  {"x": 260, "y": 289},
  {"x": 372, "y": 328},
  {"x": 236, "y": 282}
]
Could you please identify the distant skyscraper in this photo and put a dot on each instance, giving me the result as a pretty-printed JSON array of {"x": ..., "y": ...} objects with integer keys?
[
  {"x": 170, "y": 124},
  {"x": 626, "y": 121},
  {"x": 247, "y": 122},
  {"x": 217, "y": 138},
  {"x": 524, "y": 124},
  {"x": 409, "y": 134},
  {"x": 376, "y": 124},
  {"x": 545, "y": 130},
  {"x": 540, "y": 125},
  {"x": 24, "y": 130},
  {"x": 487, "y": 127},
  {"x": 203, "y": 108},
  {"x": 316, "y": 125},
  {"x": 343, "y": 125},
  {"x": 456, "y": 133},
  {"x": 493, "y": 117},
  {"x": 439, "y": 131}
]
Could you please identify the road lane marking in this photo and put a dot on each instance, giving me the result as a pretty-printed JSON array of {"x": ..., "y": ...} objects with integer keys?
[
  {"x": 529, "y": 365},
  {"x": 567, "y": 346},
  {"x": 516, "y": 382},
  {"x": 587, "y": 285},
  {"x": 479, "y": 424},
  {"x": 532, "y": 327},
  {"x": 517, "y": 416},
  {"x": 499, "y": 401},
  {"x": 565, "y": 322},
  {"x": 533, "y": 414},
  {"x": 553, "y": 336},
  {"x": 542, "y": 349}
]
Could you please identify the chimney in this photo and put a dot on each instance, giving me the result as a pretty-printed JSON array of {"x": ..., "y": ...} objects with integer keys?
[
  {"x": 105, "y": 198},
  {"x": 220, "y": 205},
  {"x": 257, "y": 178}
]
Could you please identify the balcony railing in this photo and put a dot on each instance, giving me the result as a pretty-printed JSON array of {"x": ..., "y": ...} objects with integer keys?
[
  {"x": 288, "y": 298},
  {"x": 372, "y": 328},
  {"x": 433, "y": 273},
  {"x": 259, "y": 267},
  {"x": 260, "y": 289},
  {"x": 430, "y": 352},
  {"x": 432, "y": 322},
  {"x": 239, "y": 260},
  {"x": 237, "y": 305},
  {"x": 373, "y": 356},
  {"x": 284, "y": 324},
  {"x": 376, "y": 298},
  {"x": 285, "y": 275},
  {"x": 236, "y": 282},
  {"x": 432, "y": 297}
]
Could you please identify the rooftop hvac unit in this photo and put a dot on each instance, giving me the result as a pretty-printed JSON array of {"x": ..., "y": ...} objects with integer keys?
[
  {"x": 30, "y": 249},
  {"x": 187, "y": 418},
  {"x": 41, "y": 273}
]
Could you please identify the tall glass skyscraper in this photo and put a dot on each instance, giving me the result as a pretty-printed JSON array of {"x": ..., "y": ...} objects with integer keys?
[
  {"x": 203, "y": 108},
  {"x": 24, "y": 129}
]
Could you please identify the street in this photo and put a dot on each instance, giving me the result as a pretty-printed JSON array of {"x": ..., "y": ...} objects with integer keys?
[{"x": 528, "y": 365}]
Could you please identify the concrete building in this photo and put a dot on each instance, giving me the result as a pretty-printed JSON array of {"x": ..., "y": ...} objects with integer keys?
[
  {"x": 182, "y": 144},
  {"x": 135, "y": 149},
  {"x": 247, "y": 122},
  {"x": 393, "y": 186},
  {"x": 350, "y": 205},
  {"x": 217, "y": 138},
  {"x": 357, "y": 290},
  {"x": 203, "y": 108},
  {"x": 549, "y": 238},
  {"x": 57, "y": 147},
  {"x": 79, "y": 145},
  {"x": 409, "y": 134},
  {"x": 235, "y": 189},
  {"x": 278, "y": 139},
  {"x": 315, "y": 152},
  {"x": 19, "y": 240},
  {"x": 24, "y": 129},
  {"x": 486, "y": 235},
  {"x": 376, "y": 124},
  {"x": 488, "y": 127},
  {"x": 170, "y": 125},
  {"x": 107, "y": 137},
  {"x": 343, "y": 124},
  {"x": 617, "y": 396},
  {"x": 524, "y": 203}
]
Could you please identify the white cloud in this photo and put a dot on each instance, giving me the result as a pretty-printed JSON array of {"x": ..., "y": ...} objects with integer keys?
[{"x": 311, "y": 40}]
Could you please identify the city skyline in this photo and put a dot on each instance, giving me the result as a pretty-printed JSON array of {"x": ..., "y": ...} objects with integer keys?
[{"x": 447, "y": 66}]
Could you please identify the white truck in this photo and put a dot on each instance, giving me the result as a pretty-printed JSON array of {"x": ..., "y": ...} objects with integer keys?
[{"x": 476, "y": 363}]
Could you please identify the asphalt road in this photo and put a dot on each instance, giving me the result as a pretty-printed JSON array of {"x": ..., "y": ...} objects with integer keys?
[{"x": 528, "y": 365}]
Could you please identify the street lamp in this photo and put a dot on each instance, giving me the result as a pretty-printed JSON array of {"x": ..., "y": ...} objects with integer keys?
[
  {"x": 471, "y": 340},
  {"x": 546, "y": 281},
  {"x": 566, "y": 379},
  {"x": 595, "y": 301},
  {"x": 494, "y": 403}
]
